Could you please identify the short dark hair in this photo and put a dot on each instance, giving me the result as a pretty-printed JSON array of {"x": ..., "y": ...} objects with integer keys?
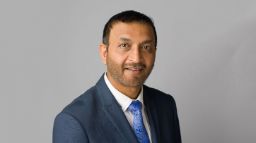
[{"x": 127, "y": 17}]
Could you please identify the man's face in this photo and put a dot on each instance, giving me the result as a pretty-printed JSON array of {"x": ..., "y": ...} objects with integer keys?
[{"x": 130, "y": 54}]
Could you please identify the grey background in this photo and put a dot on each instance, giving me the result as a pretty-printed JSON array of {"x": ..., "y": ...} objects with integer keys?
[{"x": 206, "y": 59}]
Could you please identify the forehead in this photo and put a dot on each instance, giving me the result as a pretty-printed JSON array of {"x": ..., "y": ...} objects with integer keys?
[{"x": 131, "y": 30}]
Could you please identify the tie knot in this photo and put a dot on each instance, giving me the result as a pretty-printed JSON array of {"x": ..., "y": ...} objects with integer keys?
[{"x": 135, "y": 106}]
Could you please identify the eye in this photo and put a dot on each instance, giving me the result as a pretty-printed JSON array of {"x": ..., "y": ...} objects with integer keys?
[
  {"x": 124, "y": 45},
  {"x": 147, "y": 47}
]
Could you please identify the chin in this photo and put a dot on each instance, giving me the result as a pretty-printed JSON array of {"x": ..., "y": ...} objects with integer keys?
[{"x": 132, "y": 83}]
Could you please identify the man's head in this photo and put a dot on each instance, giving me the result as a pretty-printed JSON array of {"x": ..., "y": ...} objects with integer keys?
[{"x": 128, "y": 49}]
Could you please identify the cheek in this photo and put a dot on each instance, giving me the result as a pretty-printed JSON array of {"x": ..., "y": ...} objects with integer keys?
[
  {"x": 150, "y": 60},
  {"x": 120, "y": 56},
  {"x": 115, "y": 59}
]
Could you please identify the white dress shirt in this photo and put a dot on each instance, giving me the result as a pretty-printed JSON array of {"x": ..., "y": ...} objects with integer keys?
[{"x": 125, "y": 101}]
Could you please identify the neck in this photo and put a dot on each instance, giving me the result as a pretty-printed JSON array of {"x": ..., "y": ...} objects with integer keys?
[{"x": 131, "y": 92}]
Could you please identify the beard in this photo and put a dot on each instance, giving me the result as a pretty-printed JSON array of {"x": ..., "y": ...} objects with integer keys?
[{"x": 122, "y": 73}]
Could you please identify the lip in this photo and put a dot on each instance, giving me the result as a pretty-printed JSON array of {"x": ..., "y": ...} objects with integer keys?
[{"x": 135, "y": 69}]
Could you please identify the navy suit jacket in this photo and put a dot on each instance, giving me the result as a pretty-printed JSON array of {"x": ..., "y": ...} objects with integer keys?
[{"x": 96, "y": 117}]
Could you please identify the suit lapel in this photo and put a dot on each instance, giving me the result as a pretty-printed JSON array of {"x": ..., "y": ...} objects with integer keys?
[
  {"x": 114, "y": 113},
  {"x": 152, "y": 115}
]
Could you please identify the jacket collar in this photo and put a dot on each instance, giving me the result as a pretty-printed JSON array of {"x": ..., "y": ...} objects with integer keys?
[
  {"x": 116, "y": 115},
  {"x": 114, "y": 112}
]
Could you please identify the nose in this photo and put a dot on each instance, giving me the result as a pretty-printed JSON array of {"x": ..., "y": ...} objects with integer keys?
[{"x": 135, "y": 55}]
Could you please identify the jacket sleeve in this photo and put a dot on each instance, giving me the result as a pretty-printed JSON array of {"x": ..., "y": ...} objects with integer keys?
[{"x": 67, "y": 129}]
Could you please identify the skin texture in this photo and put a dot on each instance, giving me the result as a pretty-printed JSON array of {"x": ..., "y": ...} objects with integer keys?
[{"x": 129, "y": 57}]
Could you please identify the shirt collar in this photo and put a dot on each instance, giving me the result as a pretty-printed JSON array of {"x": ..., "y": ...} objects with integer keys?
[{"x": 122, "y": 99}]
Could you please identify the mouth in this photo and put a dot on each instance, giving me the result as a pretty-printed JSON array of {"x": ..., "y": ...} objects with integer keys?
[{"x": 135, "y": 67}]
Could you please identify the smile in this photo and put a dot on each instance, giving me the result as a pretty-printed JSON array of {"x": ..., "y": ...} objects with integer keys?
[{"x": 136, "y": 68}]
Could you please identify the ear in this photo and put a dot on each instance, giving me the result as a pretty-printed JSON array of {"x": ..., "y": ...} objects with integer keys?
[{"x": 103, "y": 52}]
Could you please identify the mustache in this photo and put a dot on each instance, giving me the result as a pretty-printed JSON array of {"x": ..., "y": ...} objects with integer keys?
[{"x": 135, "y": 65}]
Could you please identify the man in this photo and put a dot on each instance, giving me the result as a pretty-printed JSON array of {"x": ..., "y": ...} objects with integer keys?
[{"x": 120, "y": 108}]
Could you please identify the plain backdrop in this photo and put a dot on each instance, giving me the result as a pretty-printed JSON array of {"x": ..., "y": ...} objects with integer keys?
[{"x": 206, "y": 59}]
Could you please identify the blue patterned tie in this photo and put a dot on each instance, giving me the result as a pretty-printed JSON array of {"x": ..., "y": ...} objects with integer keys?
[{"x": 138, "y": 126}]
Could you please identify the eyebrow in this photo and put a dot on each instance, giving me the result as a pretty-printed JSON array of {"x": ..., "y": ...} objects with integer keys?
[
  {"x": 125, "y": 39},
  {"x": 148, "y": 41},
  {"x": 129, "y": 40}
]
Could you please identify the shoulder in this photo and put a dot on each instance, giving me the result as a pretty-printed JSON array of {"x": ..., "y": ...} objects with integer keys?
[
  {"x": 84, "y": 105},
  {"x": 159, "y": 99},
  {"x": 157, "y": 95},
  {"x": 162, "y": 107},
  {"x": 87, "y": 104},
  {"x": 70, "y": 122},
  {"x": 83, "y": 100}
]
